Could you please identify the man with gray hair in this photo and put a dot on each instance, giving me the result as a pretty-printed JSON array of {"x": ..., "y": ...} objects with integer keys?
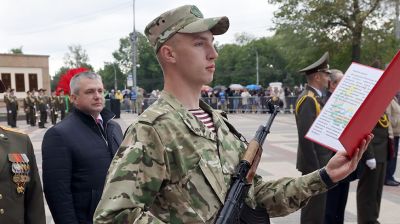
[
  {"x": 78, "y": 151},
  {"x": 334, "y": 78}
]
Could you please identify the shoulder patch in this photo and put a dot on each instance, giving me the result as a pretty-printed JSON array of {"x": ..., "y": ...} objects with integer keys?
[
  {"x": 152, "y": 113},
  {"x": 12, "y": 130}
]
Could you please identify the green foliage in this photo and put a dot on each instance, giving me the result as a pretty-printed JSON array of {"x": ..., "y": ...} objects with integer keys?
[
  {"x": 17, "y": 50},
  {"x": 149, "y": 74},
  {"x": 330, "y": 21},
  {"x": 237, "y": 64},
  {"x": 111, "y": 74},
  {"x": 76, "y": 57},
  {"x": 56, "y": 77}
]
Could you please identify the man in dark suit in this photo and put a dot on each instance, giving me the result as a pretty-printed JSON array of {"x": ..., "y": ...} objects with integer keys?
[
  {"x": 336, "y": 198},
  {"x": 311, "y": 156},
  {"x": 21, "y": 198},
  {"x": 78, "y": 151}
]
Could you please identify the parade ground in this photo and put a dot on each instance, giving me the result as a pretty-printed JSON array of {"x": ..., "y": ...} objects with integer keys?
[{"x": 278, "y": 160}]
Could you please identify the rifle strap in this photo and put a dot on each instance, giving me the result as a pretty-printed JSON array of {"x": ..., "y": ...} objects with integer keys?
[
  {"x": 234, "y": 131},
  {"x": 248, "y": 215}
]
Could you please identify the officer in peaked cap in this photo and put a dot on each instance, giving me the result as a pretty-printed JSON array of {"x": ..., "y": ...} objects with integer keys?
[
  {"x": 321, "y": 65},
  {"x": 311, "y": 156},
  {"x": 21, "y": 197}
]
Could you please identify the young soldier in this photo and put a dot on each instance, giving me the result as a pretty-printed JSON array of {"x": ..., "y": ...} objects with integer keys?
[{"x": 177, "y": 159}]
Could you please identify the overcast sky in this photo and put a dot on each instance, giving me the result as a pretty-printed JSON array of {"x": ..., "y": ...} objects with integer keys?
[{"x": 48, "y": 27}]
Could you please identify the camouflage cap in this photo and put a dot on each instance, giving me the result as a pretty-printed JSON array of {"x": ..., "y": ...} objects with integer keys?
[{"x": 184, "y": 19}]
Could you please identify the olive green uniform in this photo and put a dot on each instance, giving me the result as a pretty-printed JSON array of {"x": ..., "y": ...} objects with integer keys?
[
  {"x": 310, "y": 156},
  {"x": 21, "y": 202},
  {"x": 370, "y": 185}
]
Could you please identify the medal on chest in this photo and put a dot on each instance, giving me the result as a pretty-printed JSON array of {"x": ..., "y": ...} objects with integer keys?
[{"x": 20, "y": 169}]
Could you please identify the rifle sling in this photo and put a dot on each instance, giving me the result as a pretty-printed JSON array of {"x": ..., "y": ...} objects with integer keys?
[{"x": 249, "y": 215}]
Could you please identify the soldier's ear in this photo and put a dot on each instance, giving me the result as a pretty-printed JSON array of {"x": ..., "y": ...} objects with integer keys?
[{"x": 167, "y": 54}]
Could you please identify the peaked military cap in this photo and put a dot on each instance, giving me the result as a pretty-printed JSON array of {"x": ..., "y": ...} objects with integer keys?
[
  {"x": 42, "y": 90},
  {"x": 2, "y": 87},
  {"x": 319, "y": 66},
  {"x": 184, "y": 19}
]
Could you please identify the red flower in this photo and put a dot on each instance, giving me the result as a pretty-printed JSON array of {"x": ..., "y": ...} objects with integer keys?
[{"x": 65, "y": 79}]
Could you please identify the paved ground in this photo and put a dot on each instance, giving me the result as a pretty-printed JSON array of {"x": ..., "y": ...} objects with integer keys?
[{"x": 278, "y": 161}]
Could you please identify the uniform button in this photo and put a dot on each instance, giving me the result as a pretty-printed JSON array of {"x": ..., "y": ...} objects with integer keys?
[
  {"x": 1, "y": 211},
  {"x": 1, "y": 196}
]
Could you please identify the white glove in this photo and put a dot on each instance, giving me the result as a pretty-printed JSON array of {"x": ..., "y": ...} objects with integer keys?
[{"x": 371, "y": 163}]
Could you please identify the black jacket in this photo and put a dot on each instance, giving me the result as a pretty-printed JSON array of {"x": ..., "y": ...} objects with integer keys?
[{"x": 76, "y": 158}]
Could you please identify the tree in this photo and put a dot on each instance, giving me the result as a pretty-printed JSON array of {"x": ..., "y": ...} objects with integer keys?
[
  {"x": 237, "y": 63},
  {"x": 17, "y": 50},
  {"x": 56, "y": 77},
  {"x": 149, "y": 74},
  {"x": 76, "y": 57},
  {"x": 338, "y": 20},
  {"x": 109, "y": 73}
]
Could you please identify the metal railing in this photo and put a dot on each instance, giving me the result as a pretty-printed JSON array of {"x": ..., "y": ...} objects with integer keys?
[{"x": 254, "y": 104}]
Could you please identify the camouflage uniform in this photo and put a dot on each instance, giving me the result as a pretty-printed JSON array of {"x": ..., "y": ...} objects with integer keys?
[{"x": 170, "y": 168}]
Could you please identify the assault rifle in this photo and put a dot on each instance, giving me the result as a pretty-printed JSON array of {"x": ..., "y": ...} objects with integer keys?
[{"x": 235, "y": 209}]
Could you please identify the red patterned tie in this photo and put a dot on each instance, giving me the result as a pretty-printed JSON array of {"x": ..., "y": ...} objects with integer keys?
[{"x": 100, "y": 123}]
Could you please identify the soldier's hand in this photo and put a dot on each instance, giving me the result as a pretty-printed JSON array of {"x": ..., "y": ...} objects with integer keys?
[{"x": 341, "y": 165}]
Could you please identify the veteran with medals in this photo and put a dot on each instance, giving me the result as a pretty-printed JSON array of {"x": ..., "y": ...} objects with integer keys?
[{"x": 21, "y": 198}]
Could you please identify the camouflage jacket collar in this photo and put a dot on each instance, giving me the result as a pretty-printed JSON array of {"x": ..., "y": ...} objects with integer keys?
[{"x": 194, "y": 124}]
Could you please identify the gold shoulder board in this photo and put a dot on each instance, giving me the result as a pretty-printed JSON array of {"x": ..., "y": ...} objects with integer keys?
[{"x": 12, "y": 130}]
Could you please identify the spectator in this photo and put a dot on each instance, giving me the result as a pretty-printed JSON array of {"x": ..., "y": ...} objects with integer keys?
[{"x": 78, "y": 151}]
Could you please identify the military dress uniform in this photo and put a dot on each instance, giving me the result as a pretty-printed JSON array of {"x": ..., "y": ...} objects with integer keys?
[
  {"x": 31, "y": 101},
  {"x": 62, "y": 105},
  {"x": 13, "y": 109},
  {"x": 21, "y": 198},
  {"x": 41, "y": 106},
  {"x": 370, "y": 184},
  {"x": 171, "y": 168},
  {"x": 7, "y": 103},
  {"x": 311, "y": 156},
  {"x": 26, "y": 108},
  {"x": 54, "y": 108}
]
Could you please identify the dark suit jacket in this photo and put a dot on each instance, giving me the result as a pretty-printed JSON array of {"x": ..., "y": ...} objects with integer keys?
[
  {"x": 27, "y": 208},
  {"x": 310, "y": 156},
  {"x": 76, "y": 157}
]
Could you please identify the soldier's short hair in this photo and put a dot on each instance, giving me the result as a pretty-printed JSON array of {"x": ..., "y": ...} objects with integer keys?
[{"x": 74, "y": 86}]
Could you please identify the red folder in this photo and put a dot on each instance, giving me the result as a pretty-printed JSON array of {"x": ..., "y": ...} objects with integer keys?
[{"x": 374, "y": 105}]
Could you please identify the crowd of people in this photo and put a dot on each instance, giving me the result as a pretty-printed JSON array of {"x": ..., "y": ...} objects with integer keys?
[{"x": 176, "y": 161}]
